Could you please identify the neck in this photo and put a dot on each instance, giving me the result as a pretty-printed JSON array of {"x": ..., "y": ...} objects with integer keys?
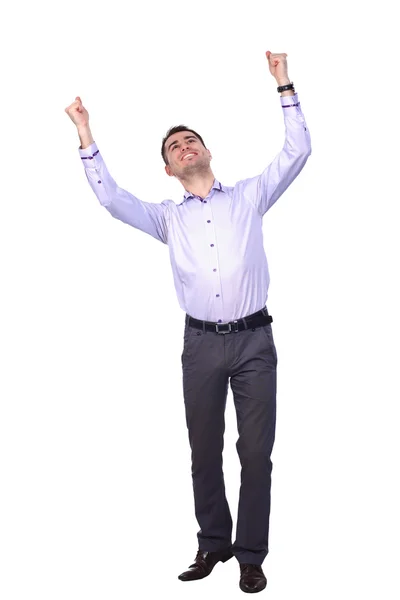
[{"x": 200, "y": 184}]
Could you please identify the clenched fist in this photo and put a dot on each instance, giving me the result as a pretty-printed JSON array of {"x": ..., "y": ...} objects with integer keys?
[
  {"x": 78, "y": 113},
  {"x": 278, "y": 67}
]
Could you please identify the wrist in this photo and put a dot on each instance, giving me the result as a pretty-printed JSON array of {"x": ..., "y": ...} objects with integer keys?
[
  {"x": 282, "y": 80},
  {"x": 85, "y": 136},
  {"x": 83, "y": 128}
]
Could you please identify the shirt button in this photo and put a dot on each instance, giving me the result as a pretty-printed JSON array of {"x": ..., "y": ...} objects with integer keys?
[
  {"x": 214, "y": 270},
  {"x": 205, "y": 201},
  {"x": 217, "y": 295},
  {"x": 99, "y": 181},
  {"x": 208, "y": 221},
  {"x": 219, "y": 320},
  {"x": 212, "y": 245}
]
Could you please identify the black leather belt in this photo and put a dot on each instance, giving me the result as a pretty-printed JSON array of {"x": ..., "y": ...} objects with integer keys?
[{"x": 258, "y": 319}]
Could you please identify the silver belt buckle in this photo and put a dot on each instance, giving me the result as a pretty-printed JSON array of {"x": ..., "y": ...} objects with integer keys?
[{"x": 217, "y": 325}]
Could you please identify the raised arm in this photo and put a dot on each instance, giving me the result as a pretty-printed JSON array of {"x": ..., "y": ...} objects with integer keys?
[
  {"x": 149, "y": 217},
  {"x": 265, "y": 189}
]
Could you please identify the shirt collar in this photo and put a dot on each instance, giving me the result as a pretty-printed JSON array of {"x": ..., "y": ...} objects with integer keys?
[{"x": 216, "y": 186}]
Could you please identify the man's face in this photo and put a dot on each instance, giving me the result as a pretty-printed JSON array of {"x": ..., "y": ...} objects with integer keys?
[{"x": 186, "y": 155}]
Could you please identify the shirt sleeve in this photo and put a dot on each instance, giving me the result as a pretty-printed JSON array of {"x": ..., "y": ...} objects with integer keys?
[
  {"x": 265, "y": 189},
  {"x": 148, "y": 217}
]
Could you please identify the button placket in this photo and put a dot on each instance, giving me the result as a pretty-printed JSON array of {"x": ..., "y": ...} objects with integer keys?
[{"x": 213, "y": 256}]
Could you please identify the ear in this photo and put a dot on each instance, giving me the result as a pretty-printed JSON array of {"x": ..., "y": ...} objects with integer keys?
[{"x": 168, "y": 171}]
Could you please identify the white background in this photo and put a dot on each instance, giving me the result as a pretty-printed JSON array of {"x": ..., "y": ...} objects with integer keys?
[{"x": 96, "y": 497}]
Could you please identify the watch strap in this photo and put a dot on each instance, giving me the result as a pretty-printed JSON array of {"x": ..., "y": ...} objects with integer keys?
[{"x": 285, "y": 88}]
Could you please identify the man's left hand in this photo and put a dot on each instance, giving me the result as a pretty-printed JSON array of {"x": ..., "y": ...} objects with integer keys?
[{"x": 278, "y": 67}]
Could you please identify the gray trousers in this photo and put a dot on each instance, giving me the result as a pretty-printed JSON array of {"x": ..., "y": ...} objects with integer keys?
[{"x": 248, "y": 359}]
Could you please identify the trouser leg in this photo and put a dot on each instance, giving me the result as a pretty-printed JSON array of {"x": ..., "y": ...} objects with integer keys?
[
  {"x": 253, "y": 382},
  {"x": 205, "y": 386}
]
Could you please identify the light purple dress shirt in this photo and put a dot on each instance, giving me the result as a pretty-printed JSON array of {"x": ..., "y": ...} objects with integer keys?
[{"x": 216, "y": 244}]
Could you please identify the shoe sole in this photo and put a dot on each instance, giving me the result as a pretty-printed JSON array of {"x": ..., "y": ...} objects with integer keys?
[{"x": 260, "y": 589}]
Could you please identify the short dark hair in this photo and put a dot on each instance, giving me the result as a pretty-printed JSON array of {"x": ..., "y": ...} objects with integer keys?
[{"x": 172, "y": 131}]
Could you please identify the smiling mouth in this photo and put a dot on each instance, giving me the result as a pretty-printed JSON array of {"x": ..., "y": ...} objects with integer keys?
[{"x": 190, "y": 155}]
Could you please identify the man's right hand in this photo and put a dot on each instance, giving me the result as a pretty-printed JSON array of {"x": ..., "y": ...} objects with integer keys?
[
  {"x": 78, "y": 113},
  {"x": 80, "y": 116}
]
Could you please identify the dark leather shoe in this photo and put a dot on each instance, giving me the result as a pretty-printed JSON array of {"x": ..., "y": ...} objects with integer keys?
[
  {"x": 204, "y": 564},
  {"x": 252, "y": 578}
]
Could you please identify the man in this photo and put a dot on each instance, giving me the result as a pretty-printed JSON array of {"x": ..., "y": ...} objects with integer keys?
[{"x": 221, "y": 278}]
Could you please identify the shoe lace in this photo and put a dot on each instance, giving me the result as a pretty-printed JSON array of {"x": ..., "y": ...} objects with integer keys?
[
  {"x": 200, "y": 560},
  {"x": 247, "y": 567}
]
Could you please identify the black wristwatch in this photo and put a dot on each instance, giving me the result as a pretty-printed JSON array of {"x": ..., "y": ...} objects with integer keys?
[{"x": 285, "y": 88}]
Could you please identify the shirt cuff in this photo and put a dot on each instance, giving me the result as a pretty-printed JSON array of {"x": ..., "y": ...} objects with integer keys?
[
  {"x": 291, "y": 107},
  {"x": 289, "y": 101},
  {"x": 90, "y": 156}
]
